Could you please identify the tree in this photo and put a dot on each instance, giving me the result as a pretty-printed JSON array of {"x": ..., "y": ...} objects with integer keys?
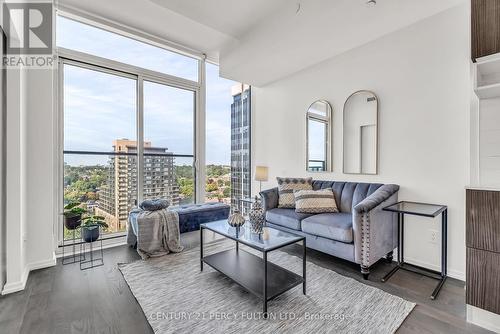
[{"x": 211, "y": 187}]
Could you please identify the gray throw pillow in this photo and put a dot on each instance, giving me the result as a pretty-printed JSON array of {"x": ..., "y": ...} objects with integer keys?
[
  {"x": 154, "y": 204},
  {"x": 315, "y": 201},
  {"x": 286, "y": 187}
]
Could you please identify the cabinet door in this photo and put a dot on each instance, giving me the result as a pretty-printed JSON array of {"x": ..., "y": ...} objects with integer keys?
[
  {"x": 483, "y": 219},
  {"x": 485, "y": 27},
  {"x": 483, "y": 279}
]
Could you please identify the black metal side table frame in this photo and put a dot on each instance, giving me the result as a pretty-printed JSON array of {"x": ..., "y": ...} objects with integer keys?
[
  {"x": 93, "y": 261},
  {"x": 423, "y": 210}
]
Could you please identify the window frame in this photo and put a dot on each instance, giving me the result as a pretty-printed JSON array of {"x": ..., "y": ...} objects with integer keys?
[
  {"x": 96, "y": 63},
  {"x": 63, "y": 55}
]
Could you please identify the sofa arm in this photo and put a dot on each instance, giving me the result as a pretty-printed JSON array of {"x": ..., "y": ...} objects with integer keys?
[
  {"x": 269, "y": 198},
  {"x": 379, "y": 196},
  {"x": 375, "y": 230}
]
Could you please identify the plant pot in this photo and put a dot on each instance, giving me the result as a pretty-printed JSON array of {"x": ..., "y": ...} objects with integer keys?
[
  {"x": 90, "y": 233},
  {"x": 72, "y": 222}
]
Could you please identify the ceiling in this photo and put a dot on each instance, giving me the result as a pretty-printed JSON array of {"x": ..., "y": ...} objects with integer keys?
[
  {"x": 260, "y": 41},
  {"x": 230, "y": 17}
]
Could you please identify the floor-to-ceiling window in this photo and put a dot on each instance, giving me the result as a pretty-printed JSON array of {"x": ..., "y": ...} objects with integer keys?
[
  {"x": 227, "y": 139},
  {"x": 129, "y": 114},
  {"x": 100, "y": 162},
  {"x": 169, "y": 127},
  {"x": 128, "y": 111}
]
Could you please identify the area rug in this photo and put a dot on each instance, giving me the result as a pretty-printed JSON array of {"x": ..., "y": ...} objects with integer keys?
[{"x": 177, "y": 298}]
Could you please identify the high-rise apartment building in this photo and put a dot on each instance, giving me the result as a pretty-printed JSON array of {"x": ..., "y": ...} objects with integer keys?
[
  {"x": 119, "y": 195},
  {"x": 240, "y": 144}
]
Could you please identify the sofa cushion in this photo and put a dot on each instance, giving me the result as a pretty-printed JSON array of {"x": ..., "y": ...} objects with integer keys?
[
  {"x": 287, "y": 186},
  {"x": 347, "y": 194},
  {"x": 335, "y": 226},
  {"x": 315, "y": 201},
  {"x": 286, "y": 217}
]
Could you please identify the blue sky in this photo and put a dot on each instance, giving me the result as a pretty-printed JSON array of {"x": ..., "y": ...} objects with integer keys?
[{"x": 101, "y": 107}]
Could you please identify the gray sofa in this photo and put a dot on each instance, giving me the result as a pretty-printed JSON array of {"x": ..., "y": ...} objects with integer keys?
[{"x": 360, "y": 232}]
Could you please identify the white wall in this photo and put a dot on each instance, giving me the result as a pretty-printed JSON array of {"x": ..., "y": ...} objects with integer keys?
[
  {"x": 30, "y": 170},
  {"x": 41, "y": 171},
  {"x": 421, "y": 76},
  {"x": 15, "y": 185}
]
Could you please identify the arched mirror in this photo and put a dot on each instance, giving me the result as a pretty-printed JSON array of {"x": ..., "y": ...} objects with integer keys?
[
  {"x": 318, "y": 134},
  {"x": 361, "y": 133}
]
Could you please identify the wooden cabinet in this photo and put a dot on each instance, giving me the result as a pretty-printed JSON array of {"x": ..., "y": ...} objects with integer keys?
[
  {"x": 483, "y": 220},
  {"x": 485, "y": 27},
  {"x": 483, "y": 279},
  {"x": 483, "y": 249}
]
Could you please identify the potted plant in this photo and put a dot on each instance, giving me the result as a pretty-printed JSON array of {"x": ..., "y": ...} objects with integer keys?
[
  {"x": 73, "y": 215},
  {"x": 90, "y": 227}
]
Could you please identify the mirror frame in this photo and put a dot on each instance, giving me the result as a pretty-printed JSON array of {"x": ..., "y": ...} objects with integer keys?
[
  {"x": 343, "y": 134},
  {"x": 328, "y": 135}
]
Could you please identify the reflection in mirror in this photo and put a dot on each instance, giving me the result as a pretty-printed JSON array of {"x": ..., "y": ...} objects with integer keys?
[
  {"x": 318, "y": 129},
  {"x": 361, "y": 133}
]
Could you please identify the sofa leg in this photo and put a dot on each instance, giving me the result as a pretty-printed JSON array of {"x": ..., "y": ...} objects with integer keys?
[
  {"x": 365, "y": 271},
  {"x": 389, "y": 257}
]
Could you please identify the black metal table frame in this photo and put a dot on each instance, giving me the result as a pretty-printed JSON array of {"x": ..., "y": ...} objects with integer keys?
[
  {"x": 442, "y": 275},
  {"x": 91, "y": 263},
  {"x": 264, "y": 257}
]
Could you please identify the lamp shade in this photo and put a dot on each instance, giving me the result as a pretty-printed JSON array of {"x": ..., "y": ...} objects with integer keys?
[{"x": 261, "y": 173}]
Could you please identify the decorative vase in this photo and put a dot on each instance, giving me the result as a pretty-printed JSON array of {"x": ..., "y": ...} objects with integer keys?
[
  {"x": 90, "y": 233},
  {"x": 236, "y": 219},
  {"x": 72, "y": 222},
  {"x": 257, "y": 216}
]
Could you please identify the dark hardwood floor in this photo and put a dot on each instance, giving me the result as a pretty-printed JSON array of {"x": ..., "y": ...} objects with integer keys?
[{"x": 63, "y": 299}]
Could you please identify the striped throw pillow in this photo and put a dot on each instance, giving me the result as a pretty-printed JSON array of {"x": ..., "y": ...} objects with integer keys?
[
  {"x": 315, "y": 201},
  {"x": 286, "y": 187}
]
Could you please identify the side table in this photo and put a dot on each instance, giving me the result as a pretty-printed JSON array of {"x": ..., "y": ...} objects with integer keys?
[{"x": 425, "y": 210}]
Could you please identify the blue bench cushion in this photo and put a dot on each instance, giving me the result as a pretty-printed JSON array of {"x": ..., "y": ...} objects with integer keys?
[
  {"x": 286, "y": 217},
  {"x": 192, "y": 215},
  {"x": 335, "y": 226}
]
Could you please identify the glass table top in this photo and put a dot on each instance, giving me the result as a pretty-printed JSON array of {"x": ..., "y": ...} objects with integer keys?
[
  {"x": 414, "y": 208},
  {"x": 271, "y": 238}
]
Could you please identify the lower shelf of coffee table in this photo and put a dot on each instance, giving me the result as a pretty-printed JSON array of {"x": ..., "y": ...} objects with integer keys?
[{"x": 247, "y": 270}]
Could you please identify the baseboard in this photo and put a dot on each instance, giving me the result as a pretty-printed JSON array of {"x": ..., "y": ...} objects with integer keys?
[
  {"x": 451, "y": 273},
  {"x": 21, "y": 284},
  {"x": 43, "y": 264},
  {"x": 483, "y": 318},
  {"x": 18, "y": 285},
  {"x": 104, "y": 246}
]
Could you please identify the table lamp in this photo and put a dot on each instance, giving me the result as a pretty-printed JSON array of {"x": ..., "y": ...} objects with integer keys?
[{"x": 261, "y": 174}]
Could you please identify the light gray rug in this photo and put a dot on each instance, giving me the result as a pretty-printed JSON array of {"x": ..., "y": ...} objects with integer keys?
[{"x": 177, "y": 298}]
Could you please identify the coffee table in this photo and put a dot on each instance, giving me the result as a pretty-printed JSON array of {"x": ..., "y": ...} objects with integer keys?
[{"x": 257, "y": 275}]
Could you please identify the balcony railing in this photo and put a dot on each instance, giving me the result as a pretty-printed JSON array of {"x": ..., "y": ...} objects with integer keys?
[{"x": 316, "y": 165}]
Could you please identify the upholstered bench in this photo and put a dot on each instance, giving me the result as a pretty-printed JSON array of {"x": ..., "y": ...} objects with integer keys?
[{"x": 190, "y": 217}]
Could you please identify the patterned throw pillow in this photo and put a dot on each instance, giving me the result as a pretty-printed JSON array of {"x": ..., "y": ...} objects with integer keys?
[
  {"x": 286, "y": 187},
  {"x": 315, "y": 201}
]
